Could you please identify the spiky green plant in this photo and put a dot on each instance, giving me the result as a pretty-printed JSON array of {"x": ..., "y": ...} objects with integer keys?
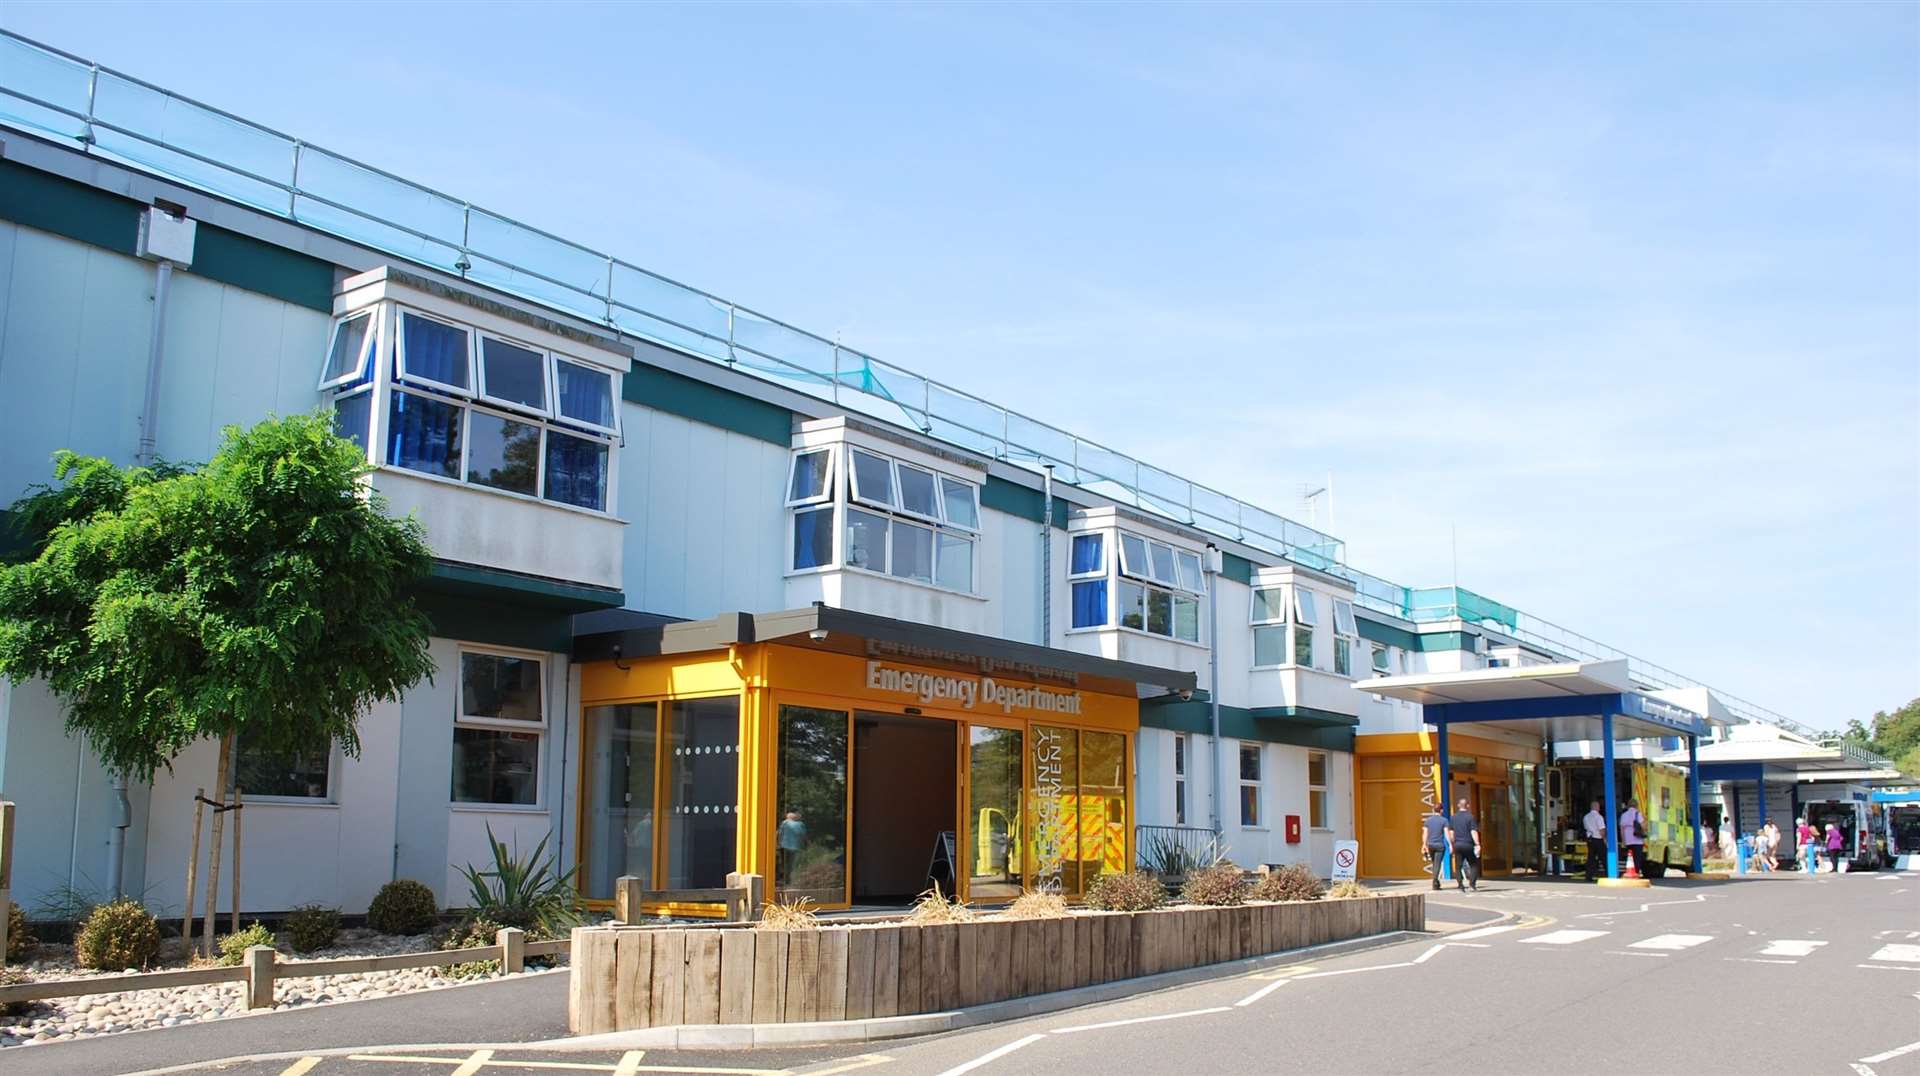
[{"x": 531, "y": 893}]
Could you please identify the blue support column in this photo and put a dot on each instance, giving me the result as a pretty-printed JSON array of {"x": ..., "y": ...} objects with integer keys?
[
  {"x": 1446, "y": 797},
  {"x": 1613, "y": 804},
  {"x": 1693, "y": 800}
]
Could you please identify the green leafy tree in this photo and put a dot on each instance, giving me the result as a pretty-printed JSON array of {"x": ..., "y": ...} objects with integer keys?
[{"x": 266, "y": 595}]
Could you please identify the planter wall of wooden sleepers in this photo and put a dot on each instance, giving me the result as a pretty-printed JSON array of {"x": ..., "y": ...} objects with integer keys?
[{"x": 627, "y": 977}]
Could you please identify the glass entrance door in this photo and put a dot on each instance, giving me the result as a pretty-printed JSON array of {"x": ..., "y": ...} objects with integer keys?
[{"x": 991, "y": 850}]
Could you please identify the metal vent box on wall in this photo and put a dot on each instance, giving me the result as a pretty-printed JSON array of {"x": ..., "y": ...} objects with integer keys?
[{"x": 165, "y": 237}]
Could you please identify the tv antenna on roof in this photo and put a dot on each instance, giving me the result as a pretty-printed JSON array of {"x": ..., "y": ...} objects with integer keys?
[{"x": 1311, "y": 497}]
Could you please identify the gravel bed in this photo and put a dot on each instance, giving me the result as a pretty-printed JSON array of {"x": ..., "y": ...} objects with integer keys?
[{"x": 63, "y": 1019}]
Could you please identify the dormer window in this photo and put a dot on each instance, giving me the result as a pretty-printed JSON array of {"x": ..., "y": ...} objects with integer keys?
[
  {"x": 466, "y": 404},
  {"x": 899, "y": 519},
  {"x": 1156, "y": 587}
]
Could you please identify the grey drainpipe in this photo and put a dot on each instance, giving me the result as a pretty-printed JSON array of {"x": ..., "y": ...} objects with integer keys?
[
  {"x": 1046, "y": 556},
  {"x": 1213, "y": 675}
]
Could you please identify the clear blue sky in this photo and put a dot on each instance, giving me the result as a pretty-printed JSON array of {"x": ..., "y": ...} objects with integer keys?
[{"x": 1630, "y": 295}]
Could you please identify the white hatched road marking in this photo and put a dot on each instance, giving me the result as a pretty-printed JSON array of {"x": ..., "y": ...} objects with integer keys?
[
  {"x": 1672, "y": 941},
  {"x": 1139, "y": 1020},
  {"x": 992, "y": 1055},
  {"x": 1698, "y": 898},
  {"x": 1791, "y": 947},
  {"x": 1565, "y": 937},
  {"x": 1260, "y": 993},
  {"x": 1891, "y": 1054},
  {"x": 1906, "y": 954},
  {"x": 1482, "y": 932}
]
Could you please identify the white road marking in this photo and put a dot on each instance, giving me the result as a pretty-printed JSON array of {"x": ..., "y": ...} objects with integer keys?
[
  {"x": 1672, "y": 941},
  {"x": 302, "y": 1066},
  {"x": 1891, "y": 1054},
  {"x": 1260, "y": 993},
  {"x": 1885, "y": 877},
  {"x": 1861, "y": 1070},
  {"x": 1760, "y": 960},
  {"x": 992, "y": 1055},
  {"x": 1564, "y": 937},
  {"x": 1423, "y": 957},
  {"x": 1887, "y": 967},
  {"x": 1355, "y": 971},
  {"x": 1140, "y": 1020},
  {"x": 1697, "y": 898},
  {"x": 1791, "y": 947},
  {"x": 1906, "y": 954},
  {"x": 1483, "y": 932},
  {"x": 1633, "y": 952},
  {"x": 473, "y": 1062}
]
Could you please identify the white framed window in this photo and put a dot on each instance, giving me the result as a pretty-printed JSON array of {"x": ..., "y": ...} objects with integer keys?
[
  {"x": 1381, "y": 660},
  {"x": 1158, "y": 592},
  {"x": 1250, "y": 816},
  {"x": 1087, "y": 579},
  {"x": 584, "y": 395},
  {"x": 1269, "y": 618},
  {"x": 350, "y": 351},
  {"x": 499, "y": 728},
  {"x": 434, "y": 354},
  {"x": 1345, "y": 638},
  {"x": 1317, "y": 791},
  {"x": 1180, "y": 779},
  {"x": 513, "y": 375},
  {"x": 301, "y": 776},
  {"x": 897, "y": 518},
  {"x": 1305, "y": 617}
]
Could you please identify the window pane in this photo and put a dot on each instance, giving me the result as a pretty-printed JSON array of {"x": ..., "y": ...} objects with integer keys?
[
  {"x": 1303, "y": 646},
  {"x": 424, "y": 435},
  {"x": 813, "y": 537},
  {"x": 1190, "y": 574},
  {"x": 1379, "y": 658},
  {"x": 912, "y": 551},
  {"x": 1186, "y": 618},
  {"x": 499, "y": 687},
  {"x": 810, "y": 840},
  {"x": 866, "y": 540},
  {"x": 1159, "y": 612},
  {"x": 496, "y": 766},
  {"x": 586, "y": 394},
  {"x": 873, "y": 478},
  {"x": 1269, "y": 605},
  {"x": 577, "y": 470},
  {"x": 1249, "y": 805},
  {"x": 703, "y": 779},
  {"x": 1317, "y": 810},
  {"x": 1317, "y": 770},
  {"x": 503, "y": 454},
  {"x": 1179, "y": 803},
  {"x": 1342, "y": 656},
  {"x": 963, "y": 510},
  {"x": 514, "y": 373},
  {"x": 1162, "y": 562},
  {"x": 1090, "y": 603},
  {"x": 1270, "y": 646},
  {"x": 352, "y": 415},
  {"x": 991, "y": 852},
  {"x": 1055, "y": 830},
  {"x": 956, "y": 562},
  {"x": 1303, "y": 606},
  {"x": 1249, "y": 762},
  {"x": 1343, "y": 617},
  {"x": 295, "y": 774},
  {"x": 916, "y": 491},
  {"x": 349, "y": 347},
  {"x": 1087, "y": 549},
  {"x": 1133, "y": 556},
  {"x": 810, "y": 475},
  {"x": 1132, "y": 605},
  {"x": 1179, "y": 755},
  {"x": 1103, "y": 804},
  {"x": 433, "y": 350},
  {"x": 621, "y": 746}
]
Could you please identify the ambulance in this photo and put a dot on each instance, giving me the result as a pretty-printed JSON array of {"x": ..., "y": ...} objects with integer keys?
[
  {"x": 1661, "y": 792},
  {"x": 1900, "y": 827}
]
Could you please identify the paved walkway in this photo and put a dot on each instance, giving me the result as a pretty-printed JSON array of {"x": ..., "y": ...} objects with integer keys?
[{"x": 526, "y": 1009}]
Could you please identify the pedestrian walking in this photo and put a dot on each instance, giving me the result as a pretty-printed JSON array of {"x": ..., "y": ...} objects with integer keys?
[
  {"x": 1836, "y": 844},
  {"x": 1434, "y": 843},
  {"x": 1466, "y": 847},
  {"x": 1633, "y": 836},
  {"x": 1596, "y": 828},
  {"x": 1774, "y": 840},
  {"x": 1805, "y": 845}
]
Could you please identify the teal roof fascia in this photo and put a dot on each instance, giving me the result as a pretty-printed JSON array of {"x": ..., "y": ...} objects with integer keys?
[
  {"x": 677, "y": 394},
  {"x": 472, "y": 581}
]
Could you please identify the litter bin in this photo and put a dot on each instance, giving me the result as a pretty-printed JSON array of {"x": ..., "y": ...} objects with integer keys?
[{"x": 1745, "y": 849}]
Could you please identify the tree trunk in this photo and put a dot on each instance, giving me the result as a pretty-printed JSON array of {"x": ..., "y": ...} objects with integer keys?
[
  {"x": 193, "y": 867},
  {"x": 239, "y": 816},
  {"x": 219, "y": 826}
]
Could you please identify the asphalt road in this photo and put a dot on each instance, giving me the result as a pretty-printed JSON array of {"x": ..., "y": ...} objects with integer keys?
[{"x": 1685, "y": 977}]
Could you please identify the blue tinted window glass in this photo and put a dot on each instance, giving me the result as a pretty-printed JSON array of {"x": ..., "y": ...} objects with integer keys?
[
  {"x": 1090, "y": 604},
  {"x": 352, "y": 416},
  {"x": 424, "y": 435},
  {"x": 576, "y": 471},
  {"x": 586, "y": 395},
  {"x": 1086, "y": 553},
  {"x": 435, "y": 351},
  {"x": 813, "y": 538}
]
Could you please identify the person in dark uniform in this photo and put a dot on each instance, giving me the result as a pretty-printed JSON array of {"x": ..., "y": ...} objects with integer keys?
[
  {"x": 1466, "y": 847},
  {"x": 1434, "y": 845}
]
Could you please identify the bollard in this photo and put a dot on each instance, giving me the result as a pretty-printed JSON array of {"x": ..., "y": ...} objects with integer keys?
[
  {"x": 513, "y": 950},
  {"x": 259, "y": 963},
  {"x": 626, "y": 898}
]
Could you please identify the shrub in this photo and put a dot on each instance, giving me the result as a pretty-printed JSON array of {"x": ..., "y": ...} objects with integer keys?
[
  {"x": 403, "y": 906},
  {"x": 19, "y": 935},
  {"x": 1295, "y": 881},
  {"x": 531, "y": 893},
  {"x": 117, "y": 936},
  {"x": 1134, "y": 891},
  {"x": 1219, "y": 884},
  {"x": 471, "y": 934},
  {"x": 934, "y": 907},
  {"x": 14, "y": 977},
  {"x": 233, "y": 947},
  {"x": 1036, "y": 906},
  {"x": 311, "y": 927},
  {"x": 794, "y": 914},
  {"x": 1348, "y": 889}
]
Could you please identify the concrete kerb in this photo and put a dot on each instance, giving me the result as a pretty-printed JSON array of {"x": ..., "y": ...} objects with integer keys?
[{"x": 693, "y": 1036}]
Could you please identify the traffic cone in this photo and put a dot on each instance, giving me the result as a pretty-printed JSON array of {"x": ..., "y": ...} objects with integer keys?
[{"x": 1630, "y": 872}]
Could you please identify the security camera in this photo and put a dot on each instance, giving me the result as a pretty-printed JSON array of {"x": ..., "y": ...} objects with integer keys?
[{"x": 818, "y": 635}]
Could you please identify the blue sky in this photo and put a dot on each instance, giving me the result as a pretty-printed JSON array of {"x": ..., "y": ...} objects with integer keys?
[{"x": 1627, "y": 295}]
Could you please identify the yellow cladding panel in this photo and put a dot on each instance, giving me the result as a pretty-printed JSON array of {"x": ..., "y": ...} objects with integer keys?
[
  {"x": 671, "y": 677},
  {"x": 974, "y": 695}
]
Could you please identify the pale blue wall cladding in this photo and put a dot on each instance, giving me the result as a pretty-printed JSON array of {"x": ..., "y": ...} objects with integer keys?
[
  {"x": 706, "y": 518},
  {"x": 74, "y": 327}
]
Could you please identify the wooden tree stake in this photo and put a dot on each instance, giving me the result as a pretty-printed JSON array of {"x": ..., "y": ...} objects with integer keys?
[
  {"x": 193, "y": 866},
  {"x": 219, "y": 828},
  {"x": 239, "y": 816}
]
